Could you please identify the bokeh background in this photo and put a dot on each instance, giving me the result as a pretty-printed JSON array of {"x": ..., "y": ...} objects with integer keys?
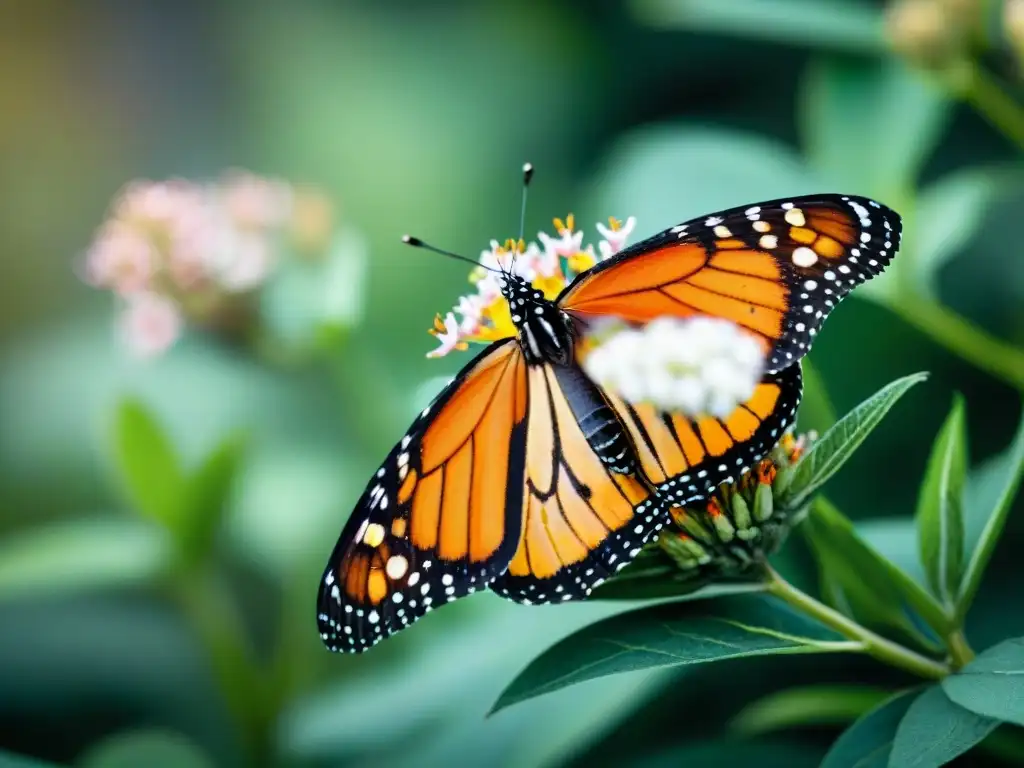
[{"x": 125, "y": 642}]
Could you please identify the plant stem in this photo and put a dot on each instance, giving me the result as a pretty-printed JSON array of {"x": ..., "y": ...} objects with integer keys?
[
  {"x": 959, "y": 649},
  {"x": 993, "y": 103},
  {"x": 875, "y": 645},
  {"x": 1002, "y": 360}
]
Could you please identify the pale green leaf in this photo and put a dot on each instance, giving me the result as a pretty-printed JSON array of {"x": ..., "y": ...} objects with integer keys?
[
  {"x": 940, "y": 521},
  {"x": 841, "y": 24},
  {"x": 990, "y": 495},
  {"x": 947, "y": 214},
  {"x": 806, "y": 705},
  {"x": 150, "y": 748},
  {"x": 870, "y": 124},
  {"x": 67, "y": 557},
  {"x": 149, "y": 468},
  {"x": 876, "y": 591},
  {"x": 832, "y": 450}
]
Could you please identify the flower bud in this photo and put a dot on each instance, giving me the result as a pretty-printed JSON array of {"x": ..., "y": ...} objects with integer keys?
[{"x": 923, "y": 31}]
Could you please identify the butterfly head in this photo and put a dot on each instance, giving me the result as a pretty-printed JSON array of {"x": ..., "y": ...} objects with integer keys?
[{"x": 545, "y": 331}]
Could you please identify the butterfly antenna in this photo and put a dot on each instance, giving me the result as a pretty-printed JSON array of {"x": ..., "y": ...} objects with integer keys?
[
  {"x": 415, "y": 242},
  {"x": 527, "y": 176}
]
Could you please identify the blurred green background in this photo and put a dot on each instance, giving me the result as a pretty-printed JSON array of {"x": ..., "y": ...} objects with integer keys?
[{"x": 119, "y": 647}]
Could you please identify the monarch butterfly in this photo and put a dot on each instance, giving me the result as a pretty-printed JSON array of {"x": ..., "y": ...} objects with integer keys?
[{"x": 525, "y": 477}]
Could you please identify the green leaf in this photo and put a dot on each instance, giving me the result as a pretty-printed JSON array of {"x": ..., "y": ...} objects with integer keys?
[
  {"x": 206, "y": 494},
  {"x": 994, "y": 499},
  {"x": 993, "y": 684},
  {"x": 870, "y": 124},
  {"x": 652, "y": 574},
  {"x": 11, "y": 760},
  {"x": 806, "y": 705},
  {"x": 841, "y": 24},
  {"x": 935, "y": 731},
  {"x": 876, "y": 590},
  {"x": 832, "y": 450},
  {"x": 940, "y": 517},
  {"x": 947, "y": 214},
  {"x": 673, "y": 634},
  {"x": 816, "y": 410},
  {"x": 72, "y": 556},
  {"x": 149, "y": 467},
  {"x": 151, "y": 748},
  {"x": 646, "y": 173},
  {"x": 868, "y": 742}
]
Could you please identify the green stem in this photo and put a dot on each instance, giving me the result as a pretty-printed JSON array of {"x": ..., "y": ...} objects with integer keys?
[
  {"x": 1002, "y": 360},
  {"x": 992, "y": 102},
  {"x": 875, "y": 645},
  {"x": 213, "y": 616},
  {"x": 960, "y": 650}
]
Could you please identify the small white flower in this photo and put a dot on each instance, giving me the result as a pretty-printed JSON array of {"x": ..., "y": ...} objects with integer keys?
[
  {"x": 615, "y": 236},
  {"x": 449, "y": 337},
  {"x": 567, "y": 244},
  {"x": 700, "y": 366}
]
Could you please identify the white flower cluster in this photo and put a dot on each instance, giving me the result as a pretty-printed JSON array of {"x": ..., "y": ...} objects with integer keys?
[
  {"x": 483, "y": 316},
  {"x": 699, "y": 365}
]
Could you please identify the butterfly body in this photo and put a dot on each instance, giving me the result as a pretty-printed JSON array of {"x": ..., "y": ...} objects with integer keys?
[
  {"x": 525, "y": 477},
  {"x": 545, "y": 332}
]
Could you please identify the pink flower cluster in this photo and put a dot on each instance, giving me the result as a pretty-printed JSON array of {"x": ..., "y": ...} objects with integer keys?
[{"x": 172, "y": 250}]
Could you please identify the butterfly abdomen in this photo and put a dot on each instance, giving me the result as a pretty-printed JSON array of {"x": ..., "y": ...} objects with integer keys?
[{"x": 598, "y": 423}]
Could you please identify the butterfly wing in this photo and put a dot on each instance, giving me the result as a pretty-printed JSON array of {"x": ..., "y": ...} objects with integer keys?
[
  {"x": 688, "y": 458},
  {"x": 586, "y": 511},
  {"x": 442, "y": 516},
  {"x": 777, "y": 269}
]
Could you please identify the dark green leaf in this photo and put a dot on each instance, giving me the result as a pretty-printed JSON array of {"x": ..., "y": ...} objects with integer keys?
[
  {"x": 653, "y": 574},
  {"x": 149, "y": 467},
  {"x": 868, "y": 742},
  {"x": 67, "y": 557},
  {"x": 935, "y": 731},
  {"x": 816, "y": 410},
  {"x": 206, "y": 494},
  {"x": 673, "y": 634},
  {"x": 947, "y": 215},
  {"x": 841, "y": 24},
  {"x": 714, "y": 754},
  {"x": 990, "y": 497},
  {"x": 895, "y": 539},
  {"x": 832, "y": 450},
  {"x": 875, "y": 590},
  {"x": 940, "y": 521},
  {"x": 870, "y": 124},
  {"x": 153, "y": 749},
  {"x": 11, "y": 760},
  {"x": 809, "y": 705},
  {"x": 993, "y": 684}
]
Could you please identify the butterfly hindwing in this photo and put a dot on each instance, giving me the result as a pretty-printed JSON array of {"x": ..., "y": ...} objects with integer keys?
[
  {"x": 687, "y": 458},
  {"x": 586, "y": 511},
  {"x": 776, "y": 268},
  {"x": 442, "y": 515}
]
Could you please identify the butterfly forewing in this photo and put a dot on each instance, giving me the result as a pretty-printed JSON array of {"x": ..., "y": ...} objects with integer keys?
[
  {"x": 442, "y": 515},
  {"x": 777, "y": 269}
]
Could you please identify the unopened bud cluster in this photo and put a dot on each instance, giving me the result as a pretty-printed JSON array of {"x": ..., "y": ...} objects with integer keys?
[{"x": 742, "y": 523}]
